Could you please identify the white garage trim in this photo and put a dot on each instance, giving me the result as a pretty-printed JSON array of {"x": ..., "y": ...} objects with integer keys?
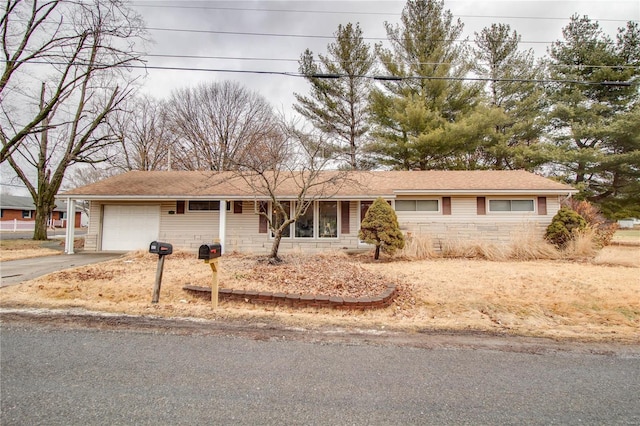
[{"x": 129, "y": 227}]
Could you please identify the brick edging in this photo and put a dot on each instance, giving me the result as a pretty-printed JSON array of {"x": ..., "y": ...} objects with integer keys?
[{"x": 297, "y": 300}]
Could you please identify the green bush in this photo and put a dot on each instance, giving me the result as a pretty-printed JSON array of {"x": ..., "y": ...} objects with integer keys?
[
  {"x": 563, "y": 225},
  {"x": 380, "y": 227}
]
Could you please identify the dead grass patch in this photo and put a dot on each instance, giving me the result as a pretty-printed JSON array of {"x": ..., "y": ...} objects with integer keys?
[
  {"x": 595, "y": 299},
  {"x": 25, "y": 249}
]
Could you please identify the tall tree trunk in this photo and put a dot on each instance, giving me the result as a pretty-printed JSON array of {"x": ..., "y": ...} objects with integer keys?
[
  {"x": 377, "y": 255},
  {"x": 273, "y": 256},
  {"x": 40, "y": 230}
]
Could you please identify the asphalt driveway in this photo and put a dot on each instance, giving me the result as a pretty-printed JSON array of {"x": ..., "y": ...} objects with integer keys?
[{"x": 17, "y": 271}]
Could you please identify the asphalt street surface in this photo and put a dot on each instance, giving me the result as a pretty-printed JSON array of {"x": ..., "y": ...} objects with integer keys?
[{"x": 89, "y": 376}]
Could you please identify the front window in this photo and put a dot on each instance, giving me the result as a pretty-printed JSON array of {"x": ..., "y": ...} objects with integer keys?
[
  {"x": 304, "y": 224},
  {"x": 328, "y": 219},
  {"x": 417, "y": 205},
  {"x": 279, "y": 217},
  {"x": 206, "y": 205},
  {"x": 26, "y": 214},
  {"x": 511, "y": 205}
]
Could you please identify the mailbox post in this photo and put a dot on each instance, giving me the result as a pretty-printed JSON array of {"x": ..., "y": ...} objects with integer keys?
[
  {"x": 161, "y": 249},
  {"x": 211, "y": 253}
]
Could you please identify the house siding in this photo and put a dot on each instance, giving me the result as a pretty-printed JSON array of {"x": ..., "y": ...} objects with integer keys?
[
  {"x": 189, "y": 230},
  {"x": 465, "y": 224}
]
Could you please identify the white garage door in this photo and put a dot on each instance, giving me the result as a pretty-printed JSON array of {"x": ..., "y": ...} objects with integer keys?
[{"x": 130, "y": 227}]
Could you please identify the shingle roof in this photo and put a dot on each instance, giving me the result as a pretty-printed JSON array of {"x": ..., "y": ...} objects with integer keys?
[
  {"x": 17, "y": 202},
  {"x": 181, "y": 184}
]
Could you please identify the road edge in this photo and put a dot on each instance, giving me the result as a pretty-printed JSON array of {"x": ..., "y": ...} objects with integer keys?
[{"x": 80, "y": 319}]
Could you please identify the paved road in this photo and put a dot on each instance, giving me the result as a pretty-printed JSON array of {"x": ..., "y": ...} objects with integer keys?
[
  {"x": 16, "y": 271},
  {"x": 65, "y": 376}
]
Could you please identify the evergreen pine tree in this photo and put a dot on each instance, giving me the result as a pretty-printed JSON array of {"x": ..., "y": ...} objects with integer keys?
[
  {"x": 337, "y": 103},
  {"x": 380, "y": 227}
]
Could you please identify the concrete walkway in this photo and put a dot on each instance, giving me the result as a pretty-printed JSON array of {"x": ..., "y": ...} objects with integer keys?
[{"x": 17, "y": 271}]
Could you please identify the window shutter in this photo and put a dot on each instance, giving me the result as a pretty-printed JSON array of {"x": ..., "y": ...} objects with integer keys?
[
  {"x": 262, "y": 221},
  {"x": 482, "y": 205},
  {"x": 344, "y": 217},
  {"x": 446, "y": 205},
  {"x": 237, "y": 207},
  {"x": 180, "y": 207},
  {"x": 542, "y": 206}
]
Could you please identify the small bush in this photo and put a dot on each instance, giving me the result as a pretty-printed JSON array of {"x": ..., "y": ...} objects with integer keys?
[
  {"x": 380, "y": 227},
  {"x": 563, "y": 225},
  {"x": 603, "y": 229}
]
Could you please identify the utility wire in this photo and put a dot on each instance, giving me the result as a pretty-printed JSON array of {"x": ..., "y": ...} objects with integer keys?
[
  {"x": 248, "y": 58},
  {"x": 336, "y": 12},
  {"x": 326, "y": 37},
  {"x": 386, "y": 78}
]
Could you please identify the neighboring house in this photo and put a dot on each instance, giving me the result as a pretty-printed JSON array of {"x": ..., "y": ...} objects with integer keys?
[
  {"x": 629, "y": 223},
  {"x": 188, "y": 209},
  {"x": 13, "y": 207}
]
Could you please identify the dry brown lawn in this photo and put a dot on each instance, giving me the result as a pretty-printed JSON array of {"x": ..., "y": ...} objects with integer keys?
[
  {"x": 24, "y": 249},
  {"x": 595, "y": 299}
]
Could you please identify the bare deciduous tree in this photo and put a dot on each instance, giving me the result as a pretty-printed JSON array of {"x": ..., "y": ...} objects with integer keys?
[
  {"x": 65, "y": 75},
  {"x": 144, "y": 137},
  {"x": 290, "y": 166},
  {"x": 215, "y": 123}
]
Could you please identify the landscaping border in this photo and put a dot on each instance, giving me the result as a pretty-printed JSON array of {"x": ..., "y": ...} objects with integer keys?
[{"x": 297, "y": 300}]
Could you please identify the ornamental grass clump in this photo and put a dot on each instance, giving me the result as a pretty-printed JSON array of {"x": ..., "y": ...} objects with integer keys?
[
  {"x": 380, "y": 227},
  {"x": 603, "y": 229}
]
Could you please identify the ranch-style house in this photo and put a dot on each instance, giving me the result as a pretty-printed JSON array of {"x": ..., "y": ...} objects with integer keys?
[{"x": 189, "y": 208}]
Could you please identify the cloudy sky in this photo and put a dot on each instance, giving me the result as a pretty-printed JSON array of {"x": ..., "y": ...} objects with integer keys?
[
  {"x": 269, "y": 36},
  {"x": 253, "y": 37}
]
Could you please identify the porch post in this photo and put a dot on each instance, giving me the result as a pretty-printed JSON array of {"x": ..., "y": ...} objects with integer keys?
[
  {"x": 222, "y": 231},
  {"x": 71, "y": 226}
]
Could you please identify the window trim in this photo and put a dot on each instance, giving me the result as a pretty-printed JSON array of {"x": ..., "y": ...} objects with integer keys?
[
  {"x": 27, "y": 214},
  {"x": 511, "y": 211}
]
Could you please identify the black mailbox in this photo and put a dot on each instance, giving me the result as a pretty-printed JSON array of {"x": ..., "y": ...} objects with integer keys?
[
  {"x": 157, "y": 247},
  {"x": 209, "y": 251}
]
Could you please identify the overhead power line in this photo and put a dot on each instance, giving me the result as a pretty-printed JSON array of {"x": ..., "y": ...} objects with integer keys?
[
  {"x": 344, "y": 12},
  {"x": 326, "y": 37},
  {"x": 250, "y": 58},
  {"x": 336, "y": 76}
]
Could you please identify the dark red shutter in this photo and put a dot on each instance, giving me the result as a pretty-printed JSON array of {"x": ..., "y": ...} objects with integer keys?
[
  {"x": 542, "y": 205},
  {"x": 482, "y": 205},
  {"x": 344, "y": 217},
  {"x": 446, "y": 205},
  {"x": 179, "y": 207},
  {"x": 262, "y": 221}
]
